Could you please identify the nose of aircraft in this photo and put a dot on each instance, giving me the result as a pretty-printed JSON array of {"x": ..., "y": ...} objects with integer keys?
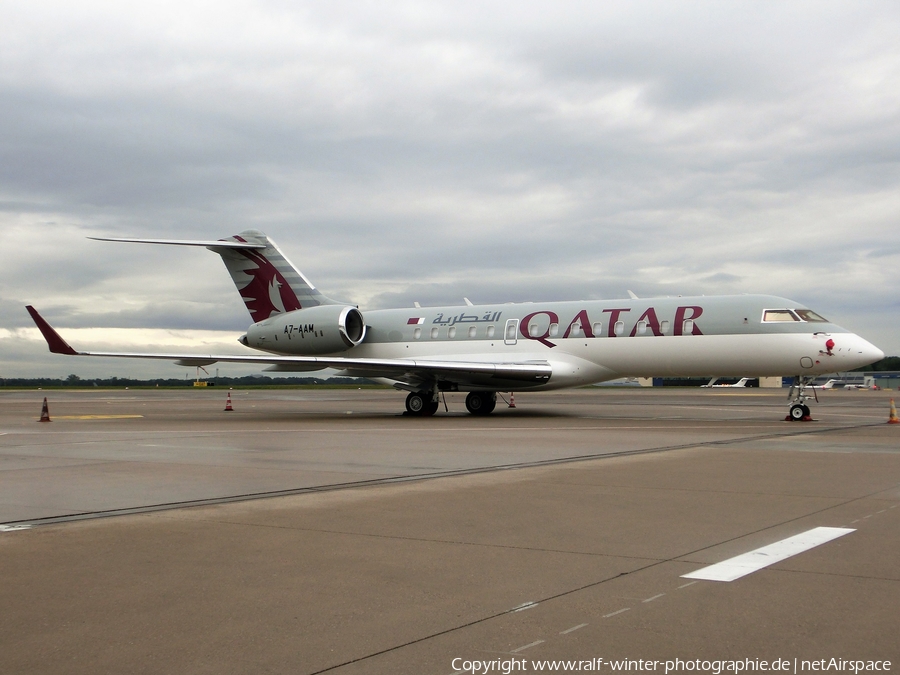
[{"x": 863, "y": 352}]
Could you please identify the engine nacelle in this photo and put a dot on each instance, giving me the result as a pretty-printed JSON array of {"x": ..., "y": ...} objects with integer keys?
[{"x": 317, "y": 330}]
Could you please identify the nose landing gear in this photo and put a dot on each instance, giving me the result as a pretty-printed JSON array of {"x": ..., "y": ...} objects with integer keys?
[{"x": 799, "y": 411}]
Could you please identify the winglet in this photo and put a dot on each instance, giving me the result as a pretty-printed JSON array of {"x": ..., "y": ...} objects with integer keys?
[{"x": 54, "y": 340}]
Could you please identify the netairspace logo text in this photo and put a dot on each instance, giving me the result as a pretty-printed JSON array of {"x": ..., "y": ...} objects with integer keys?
[{"x": 713, "y": 667}]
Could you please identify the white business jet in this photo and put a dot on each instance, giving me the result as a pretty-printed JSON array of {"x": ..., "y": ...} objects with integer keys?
[{"x": 483, "y": 349}]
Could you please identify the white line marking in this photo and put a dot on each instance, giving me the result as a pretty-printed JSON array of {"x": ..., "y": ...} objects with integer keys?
[
  {"x": 524, "y": 606},
  {"x": 895, "y": 506},
  {"x": 882, "y": 511},
  {"x": 854, "y": 521},
  {"x": 653, "y": 598},
  {"x": 522, "y": 649},
  {"x": 747, "y": 563},
  {"x": 606, "y": 616},
  {"x": 573, "y": 629},
  {"x": 686, "y": 585},
  {"x": 868, "y": 516},
  {"x": 14, "y": 528}
]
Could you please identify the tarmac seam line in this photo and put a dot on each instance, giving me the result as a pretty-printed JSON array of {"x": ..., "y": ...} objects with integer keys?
[
  {"x": 107, "y": 513},
  {"x": 423, "y": 540}
]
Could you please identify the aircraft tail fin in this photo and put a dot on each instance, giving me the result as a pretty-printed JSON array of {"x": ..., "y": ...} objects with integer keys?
[{"x": 267, "y": 281}]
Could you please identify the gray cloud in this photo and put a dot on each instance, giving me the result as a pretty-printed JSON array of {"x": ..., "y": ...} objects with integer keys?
[{"x": 426, "y": 151}]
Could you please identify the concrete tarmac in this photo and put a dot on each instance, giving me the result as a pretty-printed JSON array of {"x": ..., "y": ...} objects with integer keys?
[{"x": 558, "y": 530}]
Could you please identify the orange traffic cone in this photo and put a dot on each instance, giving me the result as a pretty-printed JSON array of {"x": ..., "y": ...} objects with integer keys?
[
  {"x": 512, "y": 399},
  {"x": 893, "y": 419},
  {"x": 228, "y": 407},
  {"x": 45, "y": 412}
]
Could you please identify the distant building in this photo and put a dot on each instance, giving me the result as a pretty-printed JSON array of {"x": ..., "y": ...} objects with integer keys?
[{"x": 885, "y": 379}]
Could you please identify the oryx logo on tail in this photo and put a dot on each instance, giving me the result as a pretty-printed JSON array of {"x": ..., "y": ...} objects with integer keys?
[
  {"x": 267, "y": 292},
  {"x": 268, "y": 283}
]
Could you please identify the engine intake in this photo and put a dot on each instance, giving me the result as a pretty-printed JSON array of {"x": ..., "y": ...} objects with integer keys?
[{"x": 317, "y": 330}]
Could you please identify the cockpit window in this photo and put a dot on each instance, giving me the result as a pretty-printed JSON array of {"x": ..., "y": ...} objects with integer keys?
[
  {"x": 779, "y": 315},
  {"x": 811, "y": 316}
]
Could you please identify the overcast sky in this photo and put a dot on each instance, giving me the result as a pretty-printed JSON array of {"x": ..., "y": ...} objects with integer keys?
[{"x": 426, "y": 151}]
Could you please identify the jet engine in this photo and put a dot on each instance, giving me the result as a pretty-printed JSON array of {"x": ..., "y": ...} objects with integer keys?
[{"x": 324, "y": 329}]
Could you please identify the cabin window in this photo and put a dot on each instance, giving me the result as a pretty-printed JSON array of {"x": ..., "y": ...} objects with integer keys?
[
  {"x": 687, "y": 328},
  {"x": 534, "y": 330},
  {"x": 417, "y": 333},
  {"x": 471, "y": 332},
  {"x": 490, "y": 331},
  {"x": 598, "y": 329},
  {"x": 452, "y": 332},
  {"x": 620, "y": 327},
  {"x": 773, "y": 315},
  {"x": 434, "y": 333},
  {"x": 642, "y": 328},
  {"x": 811, "y": 316},
  {"x": 554, "y": 329},
  {"x": 663, "y": 327},
  {"x": 576, "y": 330}
]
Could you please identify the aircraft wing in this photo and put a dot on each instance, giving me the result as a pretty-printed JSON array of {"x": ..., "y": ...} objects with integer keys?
[{"x": 493, "y": 375}]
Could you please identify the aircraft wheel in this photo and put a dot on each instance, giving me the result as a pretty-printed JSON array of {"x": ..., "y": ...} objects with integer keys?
[
  {"x": 481, "y": 402},
  {"x": 430, "y": 408},
  {"x": 798, "y": 412},
  {"x": 474, "y": 403},
  {"x": 806, "y": 411},
  {"x": 416, "y": 403}
]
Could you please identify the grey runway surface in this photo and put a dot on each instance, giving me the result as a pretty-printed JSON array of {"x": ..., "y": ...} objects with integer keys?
[{"x": 579, "y": 509}]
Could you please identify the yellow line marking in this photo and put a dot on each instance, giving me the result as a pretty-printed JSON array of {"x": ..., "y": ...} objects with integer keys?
[
  {"x": 94, "y": 417},
  {"x": 735, "y": 393}
]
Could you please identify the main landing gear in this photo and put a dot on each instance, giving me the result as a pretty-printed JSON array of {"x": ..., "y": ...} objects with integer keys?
[
  {"x": 421, "y": 403},
  {"x": 799, "y": 411},
  {"x": 425, "y": 404},
  {"x": 481, "y": 402}
]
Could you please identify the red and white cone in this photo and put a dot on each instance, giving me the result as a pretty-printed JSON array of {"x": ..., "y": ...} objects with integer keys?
[
  {"x": 893, "y": 419},
  {"x": 45, "y": 412},
  {"x": 512, "y": 399},
  {"x": 228, "y": 407}
]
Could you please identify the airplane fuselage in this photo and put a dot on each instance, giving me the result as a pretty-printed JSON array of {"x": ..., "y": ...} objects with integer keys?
[{"x": 592, "y": 341}]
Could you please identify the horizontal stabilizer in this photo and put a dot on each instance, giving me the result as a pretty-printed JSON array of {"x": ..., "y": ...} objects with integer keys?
[
  {"x": 267, "y": 281},
  {"x": 185, "y": 242}
]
